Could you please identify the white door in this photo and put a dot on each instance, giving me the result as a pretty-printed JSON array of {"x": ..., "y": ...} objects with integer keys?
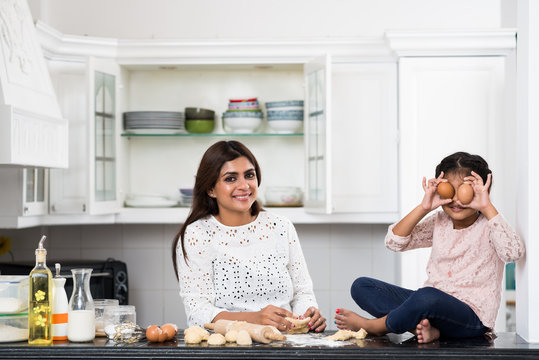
[
  {"x": 318, "y": 135},
  {"x": 365, "y": 140}
]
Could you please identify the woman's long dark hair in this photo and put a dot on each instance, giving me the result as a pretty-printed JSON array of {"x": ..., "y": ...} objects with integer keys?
[
  {"x": 464, "y": 163},
  {"x": 208, "y": 172}
]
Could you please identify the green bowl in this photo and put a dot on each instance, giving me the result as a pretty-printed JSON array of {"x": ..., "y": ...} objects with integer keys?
[{"x": 199, "y": 126}]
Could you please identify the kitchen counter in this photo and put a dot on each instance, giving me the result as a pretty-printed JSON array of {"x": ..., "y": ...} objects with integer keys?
[{"x": 506, "y": 346}]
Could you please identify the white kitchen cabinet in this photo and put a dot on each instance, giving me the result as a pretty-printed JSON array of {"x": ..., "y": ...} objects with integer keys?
[
  {"x": 172, "y": 76},
  {"x": 26, "y": 191},
  {"x": 352, "y": 141},
  {"x": 87, "y": 91},
  {"x": 346, "y": 161}
]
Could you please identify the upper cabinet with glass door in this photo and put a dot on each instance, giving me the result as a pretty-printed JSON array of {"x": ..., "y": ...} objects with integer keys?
[
  {"x": 104, "y": 162},
  {"x": 87, "y": 91},
  {"x": 318, "y": 139},
  {"x": 26, "y": 192}
]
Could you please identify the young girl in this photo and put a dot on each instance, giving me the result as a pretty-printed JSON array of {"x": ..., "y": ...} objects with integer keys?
[
  {"x": 234, "y": 260},
  {"x": 470, "y": 244}
]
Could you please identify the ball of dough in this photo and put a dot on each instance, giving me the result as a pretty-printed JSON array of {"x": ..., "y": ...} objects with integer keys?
[
  {"x": 192, "y": 338},
  {"x": 195, "y": 335},
  {"x": 216, "y": 339},
  {"x": 244, "y": 338},
  {"x": 231, "y": 336}
]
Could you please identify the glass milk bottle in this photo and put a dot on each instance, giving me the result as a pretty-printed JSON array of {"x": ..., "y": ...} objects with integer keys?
[{"x": 81, "y": 312}]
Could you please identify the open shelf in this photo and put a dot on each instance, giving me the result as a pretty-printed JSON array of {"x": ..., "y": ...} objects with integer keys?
[{"x": 209, "y": 134}]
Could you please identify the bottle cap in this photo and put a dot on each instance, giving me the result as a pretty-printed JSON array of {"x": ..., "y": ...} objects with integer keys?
[
  {"x": 41, "y": 252},
  {"x": 57, "y": 266}
]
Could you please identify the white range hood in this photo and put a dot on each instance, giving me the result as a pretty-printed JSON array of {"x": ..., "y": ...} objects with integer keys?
[{"x": 32, "y": 130}]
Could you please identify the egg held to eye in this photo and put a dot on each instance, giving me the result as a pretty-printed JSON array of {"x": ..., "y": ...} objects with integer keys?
[
  {"x": 465, "y": 193},
  {"x": 446, "y": 190}
]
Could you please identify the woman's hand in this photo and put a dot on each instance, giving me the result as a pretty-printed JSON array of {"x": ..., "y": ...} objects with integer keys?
[
  {"x": 318, "y": 322},
  {"x": 273, "y": 315},
  {"x": 431, "y": 199}
]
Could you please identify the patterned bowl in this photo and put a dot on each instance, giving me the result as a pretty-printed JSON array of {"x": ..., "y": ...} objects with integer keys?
[{"x": 285, "y": 105}]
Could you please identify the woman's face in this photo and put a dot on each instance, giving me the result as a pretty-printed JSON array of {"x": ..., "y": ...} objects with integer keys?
[
  {"x": 462, "y": 217},
  {"x": 236, "y": 188}
]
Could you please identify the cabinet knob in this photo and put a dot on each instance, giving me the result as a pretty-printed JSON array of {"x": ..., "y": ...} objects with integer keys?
[
  {"x": 53, "y": 208},
  {"x": 25, "y": 209},
  {"x": 83, "y": 207}
]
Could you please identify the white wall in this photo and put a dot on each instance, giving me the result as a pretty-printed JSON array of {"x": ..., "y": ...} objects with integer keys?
[
  {"x": 130, "y": 19},
  {"x": 336, "y": 255}
]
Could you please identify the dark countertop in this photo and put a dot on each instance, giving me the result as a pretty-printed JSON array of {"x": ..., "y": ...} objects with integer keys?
[{"x": 505, "y": 346}]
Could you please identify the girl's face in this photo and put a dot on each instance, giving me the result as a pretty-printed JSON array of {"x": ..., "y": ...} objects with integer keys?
[
  {"x": 462, "y": 217},
  {"x": 236, "y": 188}
]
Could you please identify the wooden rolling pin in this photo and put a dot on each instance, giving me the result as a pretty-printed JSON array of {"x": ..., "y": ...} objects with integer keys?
[{"x": 261, "y": 333}]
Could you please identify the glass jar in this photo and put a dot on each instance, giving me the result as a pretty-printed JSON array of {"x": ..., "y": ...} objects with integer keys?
[
  {"x": 81, "y": 312},
  {"x": 115, "y": 315},
  {"x": 100, "y": 319}
]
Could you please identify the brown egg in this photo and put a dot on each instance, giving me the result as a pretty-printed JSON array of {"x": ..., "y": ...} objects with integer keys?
[
  {"x": 446, "y": 190},
  {"x": 170, "y": 330},
  {"x": 163, "y": 336},
  {"x": 153, "y": 332},
  {"x": 465, "y": 193}
]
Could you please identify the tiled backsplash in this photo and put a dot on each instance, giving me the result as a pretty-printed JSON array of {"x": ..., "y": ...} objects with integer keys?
[{"x": 335, "y": 254}]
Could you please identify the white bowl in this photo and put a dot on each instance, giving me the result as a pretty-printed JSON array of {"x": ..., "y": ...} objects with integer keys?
[
  {"x": 243, "y": 125},
  {"x": 283, "y": 196},
  {"x": 285, "y": 126}
]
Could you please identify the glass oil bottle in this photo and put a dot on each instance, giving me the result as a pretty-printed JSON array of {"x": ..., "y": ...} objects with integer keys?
[{"x": 39, "y": 305}]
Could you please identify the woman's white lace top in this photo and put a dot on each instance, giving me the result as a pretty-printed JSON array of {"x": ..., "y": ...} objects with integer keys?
[
  {"x": 242, "y": 268},
  {"x": 465, "y": 263}
]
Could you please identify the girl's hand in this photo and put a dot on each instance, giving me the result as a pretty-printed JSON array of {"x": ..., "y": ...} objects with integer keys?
[
  {"x": 275, "y": 316},
  {"x": 318, "y": 322},
  {"x": 432, "y": 199},
  {"x": 481, "y": 198}
]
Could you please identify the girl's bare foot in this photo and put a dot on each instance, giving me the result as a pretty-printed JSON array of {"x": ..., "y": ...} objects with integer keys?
[
  {"x": 349, "y": 320},
  {"x": 426, "y": 333}
]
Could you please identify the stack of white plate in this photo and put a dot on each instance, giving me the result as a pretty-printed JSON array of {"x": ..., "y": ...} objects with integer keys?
[{"x": 154, "y": 121}]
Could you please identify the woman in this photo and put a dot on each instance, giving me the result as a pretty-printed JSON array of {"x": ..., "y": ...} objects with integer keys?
[{"x": 234, "y": 260}]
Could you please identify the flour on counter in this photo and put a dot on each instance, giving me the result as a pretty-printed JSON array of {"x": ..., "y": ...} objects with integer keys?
[
  {"x": 314, "y": 340},
  {"x": 12, "y": 333}
]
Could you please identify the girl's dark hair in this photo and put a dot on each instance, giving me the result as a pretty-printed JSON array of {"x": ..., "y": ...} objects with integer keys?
[
  {"x": 208, "y": 172},
  {"x": 463, "y": 163}
]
